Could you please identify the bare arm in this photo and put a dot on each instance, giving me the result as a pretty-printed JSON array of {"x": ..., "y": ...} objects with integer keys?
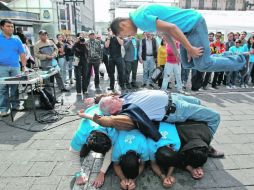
[
  {"x": 23, "y": 59},
  {"x": 119, "y": 171},
  {"x": 170, "y": 171},
  {"x": 106, "y": 161},
  {"x": 175, "y": 32},
  {"x": 156, "y": 169}
]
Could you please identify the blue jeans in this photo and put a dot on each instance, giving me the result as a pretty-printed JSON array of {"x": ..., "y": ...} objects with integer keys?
[
  {"x": 62, "y": 65},
  {"x": 148, "y": 67},
  {"x": 185, "y": 74},
  {"x": 188, "y": 107},
  {"x": 6, "y": 71},
  {"x": 209, "y": 63},
  {"x": 170, "y": 70}
]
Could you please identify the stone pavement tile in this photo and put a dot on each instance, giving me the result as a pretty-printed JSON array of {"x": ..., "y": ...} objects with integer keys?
[
  {"x": 44, "y": 156},
  {"x": 41, "y": 169},
  {"x": 4, "y": 166},
  {"x": 223, "y": 131},
  {"x": 50, "y": 145},
  {"x": 22, "y": 155},
  {"x": 242, "y": 117},
  {"x": 248, "y": 111},
  {"x": 65, "y": 183},
  {"x": 17, "y": 135},
  {"x": 18, "y": 169},
  {"x": 227, "y": 117},
  {"x": 2, "y": 186},
  {"x": 247, "y": 148},
  {"x": 206, "y": 182},
  {"x": 249, "y": 187},
  {"x": 19, "y": 183},
  {"x": 226, "y": 163},
  {"x": 221, "y": 112},
  {"x": 244, "y": 161},
  {"x": 51, "y": 180},
  {"x": 245, "y": 176},
  {"x": 222, "y": 139},
  {"x": 63, "y": 169},
  {"x": 237, "y": 112},
  {"x": 209, "y": 165},
  {"x": 240, "y": 138},
  {"x": 228, "y": 149},
  {"x": 48, "y": 135},
  {"x": 62, "y": 155},
  {"x": 41, "y": 187},
  {"x": 238, "y": 130},
  {"x": 224, "y": 179}
]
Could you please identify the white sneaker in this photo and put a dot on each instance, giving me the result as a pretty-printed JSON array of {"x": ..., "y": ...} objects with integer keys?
[
  {"x": 228, "y": 87},
  {"x": 242, "y": 86},
  {"x": 234, "y": 87},
  {"x": 4, "y": 113},
  {"x": 246, "y": 86}
]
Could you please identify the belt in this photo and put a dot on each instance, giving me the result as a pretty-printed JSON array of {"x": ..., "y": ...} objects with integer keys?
[{"x": 170, "y": 108}]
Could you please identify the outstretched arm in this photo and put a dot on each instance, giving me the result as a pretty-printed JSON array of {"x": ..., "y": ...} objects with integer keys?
[
  {"x": 176, "y": 33},
  {"x": 98, "y": 182}
]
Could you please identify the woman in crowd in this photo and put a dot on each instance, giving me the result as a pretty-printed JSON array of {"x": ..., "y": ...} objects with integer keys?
[{"x": 162, "y": 58}]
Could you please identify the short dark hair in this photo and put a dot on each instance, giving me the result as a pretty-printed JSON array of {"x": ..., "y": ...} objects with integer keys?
[
  {"x": 196, "y": 157},
  {"x": 115, "y": 24},
  {"x": 165, "y": 157},
  {"x": 211, "y": 33},
  {"x": 58, "y": 35},
  {"x": 238, "y": 41},
  {"x": 129, "y": 164},
  {"x": 2, "y": 23},
  {"x": 96, "y": 141}
]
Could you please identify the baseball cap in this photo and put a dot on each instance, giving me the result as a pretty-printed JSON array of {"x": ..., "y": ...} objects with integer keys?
[{"x": 91, "y": 32}]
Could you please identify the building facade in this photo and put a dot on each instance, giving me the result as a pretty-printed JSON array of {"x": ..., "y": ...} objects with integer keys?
[
  {"x": 238, "y": 5},
  {"x": 60, "y": 17}
]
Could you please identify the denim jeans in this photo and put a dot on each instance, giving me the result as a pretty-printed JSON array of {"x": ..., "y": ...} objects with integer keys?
[
  {"x": 62, "y": 65},
  {"x": 188, "y": 107},
  {"x": 209, "y": 63},
  {"x": 69, "y": 66},
  {"x": 170, "y": 70},
  {"x": 247, "y": 77},
  {"x": 6, "y": 71},
  {"x": 148, "y": 67},
  {"x": 185, "y": 74},
  {"x": 231, "y": 78},
  {"x": 80, "y": 73}
]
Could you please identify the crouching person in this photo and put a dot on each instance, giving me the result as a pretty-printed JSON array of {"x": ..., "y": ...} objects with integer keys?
[
  {"x": 91, "y": 136},
  {"x": 195, "y": 147},
  {"x": 129, "y": 154},
  {"x": 162, "y": 153}
]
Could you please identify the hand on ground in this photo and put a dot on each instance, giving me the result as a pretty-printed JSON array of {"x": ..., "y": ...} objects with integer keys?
[
  {"x": 131, "y": 185},
  {"x": 169, "y": 181},
  {"x": 98, "y": 182},
  {"x": 124, "y": 184},
  {"x": 81, "y": 180}
]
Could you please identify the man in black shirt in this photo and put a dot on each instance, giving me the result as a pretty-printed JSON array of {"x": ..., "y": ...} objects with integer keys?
[{"x": 114, "y": 44}]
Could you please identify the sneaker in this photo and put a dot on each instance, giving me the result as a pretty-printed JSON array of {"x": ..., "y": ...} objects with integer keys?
[
  {"x": 228, "y": 87},
  {"x": 134, "y": 85},
  {"x": 151, "y": 85},
  {"x": 79, "y": 94},
  {"x": 246, "y": 86},
  {"x": 111, "y": 88},
  {"x": 215, "y": 88},
  {"x": 242, "y": 86},
  {"x": 234, "y": 87},
  {"x": 19, "y": 108},
  {"x": 4, "y": 113}
]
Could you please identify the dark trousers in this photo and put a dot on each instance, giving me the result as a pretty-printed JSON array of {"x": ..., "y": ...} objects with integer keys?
[
  {"x": 80, "y": 72},
  {"x": 96, "y": 65},
  {"x": 131, "y": 67},
  {"x": 206, "y": 78},
  {"x": 118, "y": 63},
  {"x": 161, "y": 78}
]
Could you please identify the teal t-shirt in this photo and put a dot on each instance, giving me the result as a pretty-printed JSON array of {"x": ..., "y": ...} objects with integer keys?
[
  {"x": 130, "y": 140},
  {"x": 245, "y": 48},
  {"x": 236, "y": 50},
  {"x": 86, "y": 126},
  {"x": 145, "y": 17},
  {"x": 169, "y": 137}
]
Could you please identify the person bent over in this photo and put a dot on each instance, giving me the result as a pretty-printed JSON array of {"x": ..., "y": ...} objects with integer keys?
[
  {"x": 129, "y": 154},
  {"x": 91, "y": 136},
  {"x": 162, "y": 153}
]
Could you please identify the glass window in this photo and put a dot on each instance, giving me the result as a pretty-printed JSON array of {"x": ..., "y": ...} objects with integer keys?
[{"x": 62, "y": 14}]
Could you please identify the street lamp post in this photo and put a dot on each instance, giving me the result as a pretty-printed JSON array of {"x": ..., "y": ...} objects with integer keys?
[{"x": 74, "y": 13}]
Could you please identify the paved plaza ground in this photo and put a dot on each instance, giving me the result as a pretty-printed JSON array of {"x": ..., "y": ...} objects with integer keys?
[{"x": 39, "y": 160}]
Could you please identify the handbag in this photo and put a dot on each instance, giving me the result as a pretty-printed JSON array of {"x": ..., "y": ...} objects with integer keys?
[
  {"x": 156, "y": 74},
  {"x": 75, "y": 61}
]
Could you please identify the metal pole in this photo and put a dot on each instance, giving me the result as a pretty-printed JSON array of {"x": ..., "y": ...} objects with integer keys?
[{"x": 75, "y": 18}]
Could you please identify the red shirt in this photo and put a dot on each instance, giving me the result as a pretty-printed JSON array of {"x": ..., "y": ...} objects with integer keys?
[
  {"x": 171, "y": 58},
  {"x": 217, "y": 47}
]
